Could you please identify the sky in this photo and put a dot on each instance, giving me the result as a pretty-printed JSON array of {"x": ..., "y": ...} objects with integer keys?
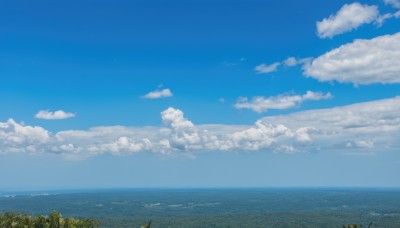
[{"x": 199, "y": 94}]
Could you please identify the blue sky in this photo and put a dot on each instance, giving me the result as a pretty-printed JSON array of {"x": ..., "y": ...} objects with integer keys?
[{"x": 108, "y": 94}]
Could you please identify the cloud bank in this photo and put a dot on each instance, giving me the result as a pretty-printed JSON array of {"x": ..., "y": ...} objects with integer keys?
[
  {"x": 361, "y": 62},
  {"x": 364, "y": 128}
]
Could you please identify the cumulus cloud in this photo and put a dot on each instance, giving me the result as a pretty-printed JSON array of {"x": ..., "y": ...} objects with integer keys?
[
  {"x": 57, "y": 115},
  {"x": 264, "y": 69},
  {"x": 349, "y": 17},
  {"x": 158, "y": 94},
  {"x": 182, "y": 133},
  {"x": 360, "y": 62},
  {"x": 363, "y": 128},
  {"x": 262, "y": 104},
  {"x": 16, "y": 137}
]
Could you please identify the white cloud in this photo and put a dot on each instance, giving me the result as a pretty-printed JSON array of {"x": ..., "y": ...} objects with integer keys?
[
  {"x": 174, "y": 118},
  {"x": 262, "y": 104},
  {"x": 361, "y": 129},
  {"x": 260, "y": 136},
  {"x": 264, "y": 69},
  {"x": 158, "y": 94},
  {"x": 289, "y": 62},
  {"x": 349, "y": 17},
  {"x": 16, "y": 137},
  {"x": 183, "y": 134},
  {"x": 57, "y": 115},
  {"x": 372, "y": 126},
  {"x": 394, "y": 3},
  {"x": 382, "y": 18},
  {"x": 292, "y": 61},
  {"x": 360, "y": 62}
]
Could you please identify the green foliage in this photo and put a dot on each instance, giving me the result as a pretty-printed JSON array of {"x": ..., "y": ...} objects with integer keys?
[
  {"x": 356, "y": 225},
  {"x": 53, "y": 220},
  {"x": 147, "y": 225}
]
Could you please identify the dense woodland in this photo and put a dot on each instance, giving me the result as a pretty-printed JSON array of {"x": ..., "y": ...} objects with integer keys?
[{"x": 208, "y": 208}]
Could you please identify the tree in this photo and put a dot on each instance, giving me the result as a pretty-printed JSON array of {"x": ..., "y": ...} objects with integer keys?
[{"x": 53, "y": 220}]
